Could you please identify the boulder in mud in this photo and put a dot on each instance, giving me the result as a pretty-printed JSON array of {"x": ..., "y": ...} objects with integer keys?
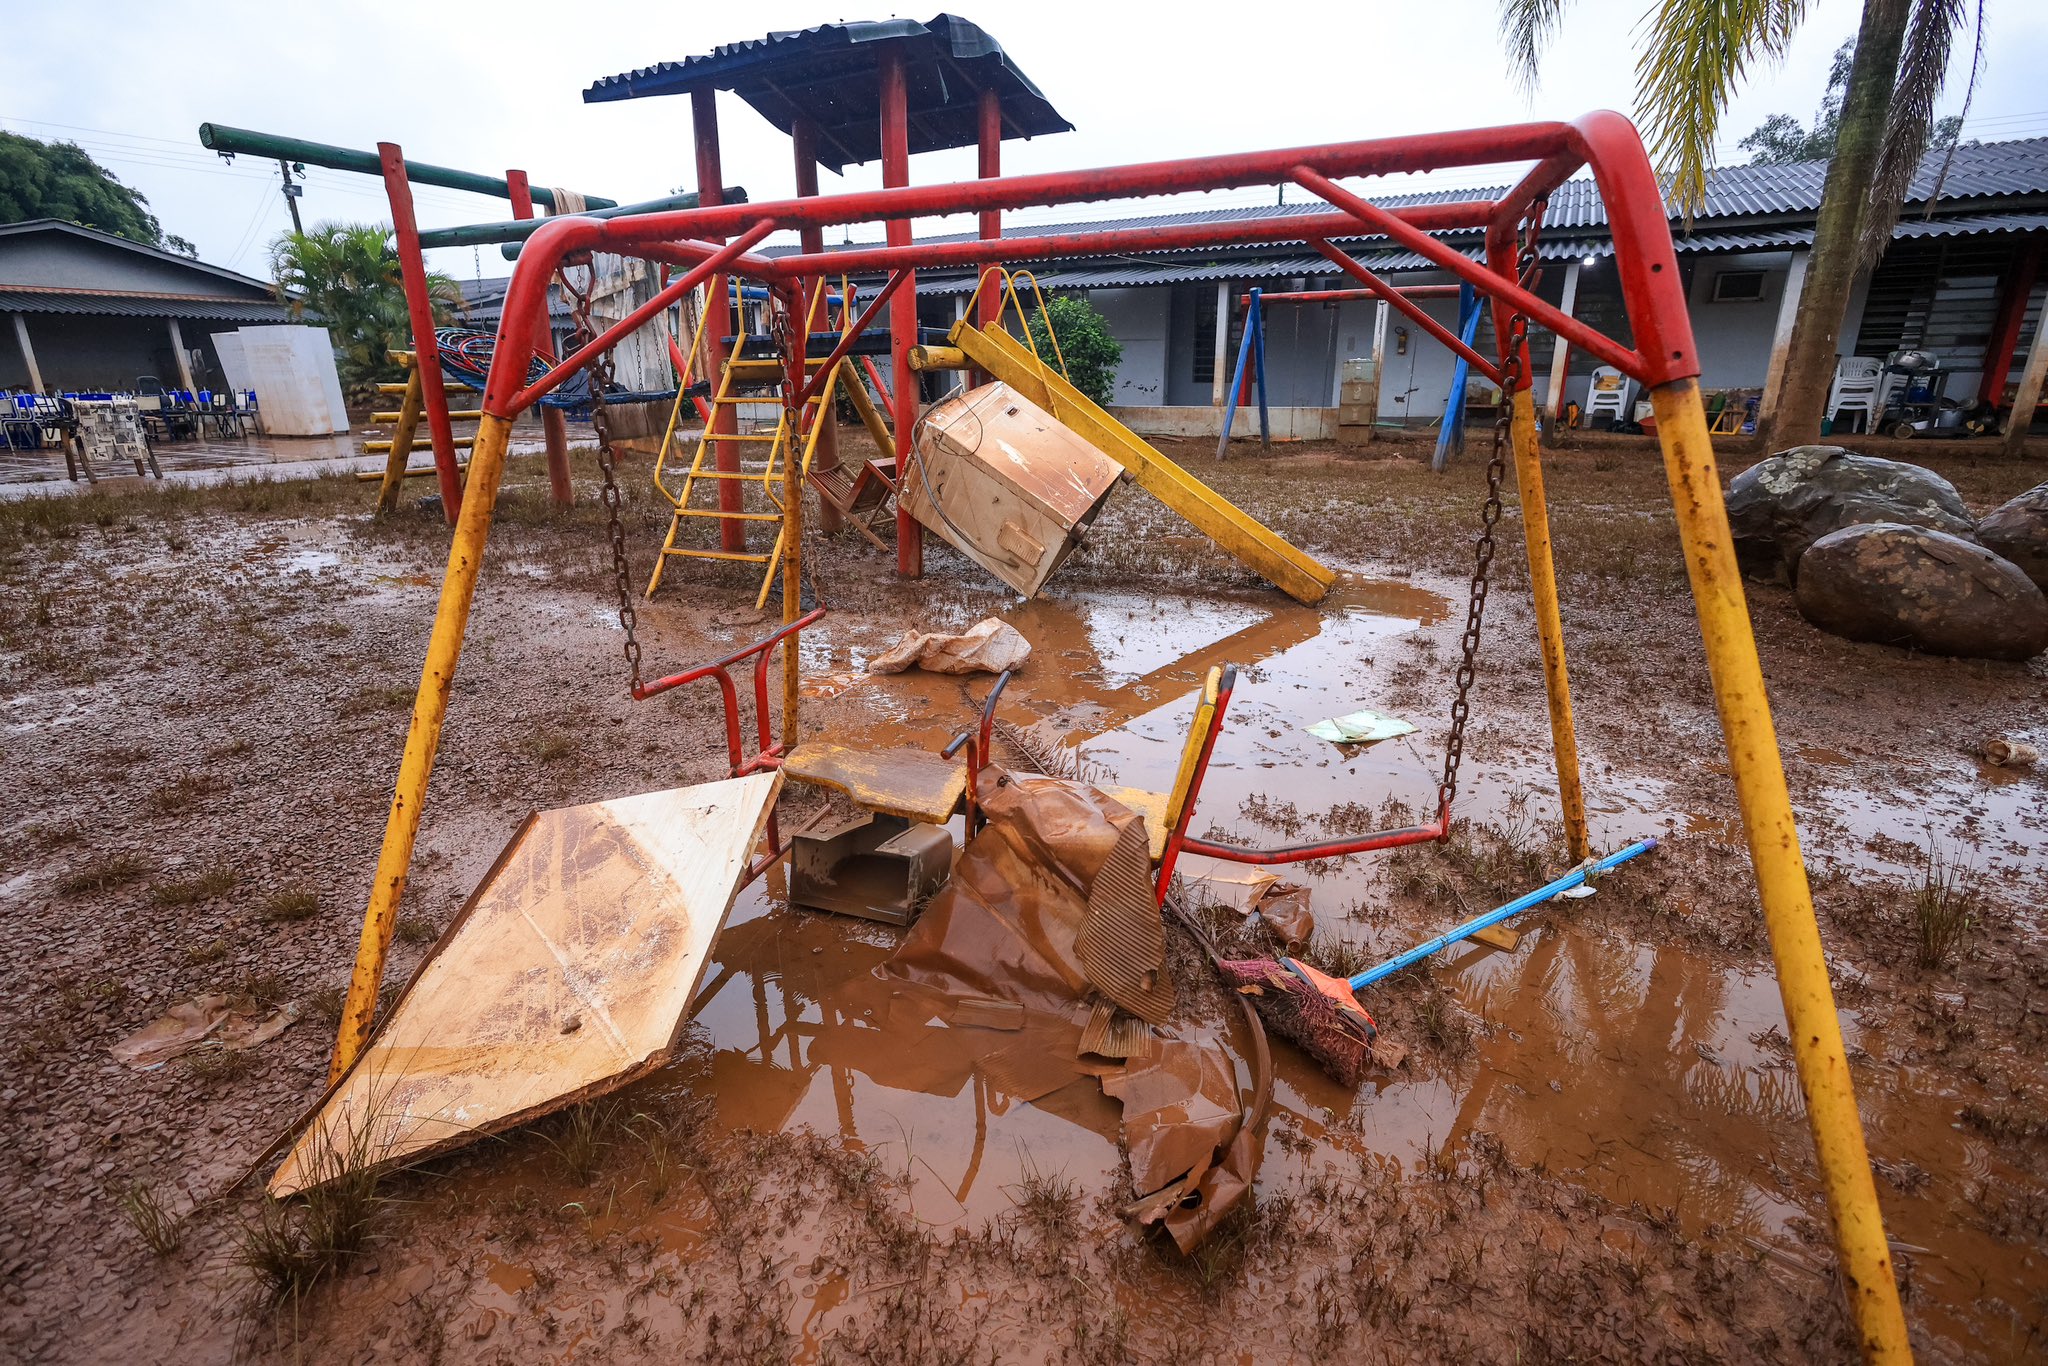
[
  {"x": 2018, "y": 530},
  {"x": 1924, "y": 589},
  {"x": 1780, "y": 506}
]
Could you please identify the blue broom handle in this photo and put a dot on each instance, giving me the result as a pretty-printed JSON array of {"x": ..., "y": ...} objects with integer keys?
[{"x": 1494, "y": 917}]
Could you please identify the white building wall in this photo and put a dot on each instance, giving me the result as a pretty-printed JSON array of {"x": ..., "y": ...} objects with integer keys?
[{"x": 1138, "y": 319}]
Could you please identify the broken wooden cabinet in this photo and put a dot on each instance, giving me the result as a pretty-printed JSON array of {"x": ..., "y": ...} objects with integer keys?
[{"x": 1005, "y": 483}]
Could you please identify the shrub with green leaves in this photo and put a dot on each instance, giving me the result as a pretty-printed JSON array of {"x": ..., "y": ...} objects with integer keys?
[{"x": 1090, "y": 350}]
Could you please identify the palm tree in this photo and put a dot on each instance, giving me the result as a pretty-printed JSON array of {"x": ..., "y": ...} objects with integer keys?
[
  {"x": 347, "y": 274},
  {"x": 1694, "y": 55}
]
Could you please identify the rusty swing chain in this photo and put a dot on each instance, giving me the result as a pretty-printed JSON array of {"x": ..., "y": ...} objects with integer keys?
[
  {"x": 599, "y": 372},
  {"x": 1489, "y": 518}
]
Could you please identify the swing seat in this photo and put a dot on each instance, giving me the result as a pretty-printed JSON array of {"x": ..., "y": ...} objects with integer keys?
[{"x": 911, "y": 783}]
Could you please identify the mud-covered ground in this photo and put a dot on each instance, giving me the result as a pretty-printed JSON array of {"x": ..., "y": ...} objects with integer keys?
[{"x": 1595, "y": 1149}]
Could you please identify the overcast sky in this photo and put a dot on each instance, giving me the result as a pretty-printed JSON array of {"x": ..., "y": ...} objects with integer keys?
[{"x": 487, "y": 86}]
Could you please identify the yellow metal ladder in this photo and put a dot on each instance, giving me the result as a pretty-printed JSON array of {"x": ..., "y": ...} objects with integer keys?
[{"x": 783, "y": 443}]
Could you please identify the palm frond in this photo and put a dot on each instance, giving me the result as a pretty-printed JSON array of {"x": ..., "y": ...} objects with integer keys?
[
  {"x": 1693, "y": 56},
  {"x": 1526, "y": 28},
  {"x": 1923, "y": 70}
]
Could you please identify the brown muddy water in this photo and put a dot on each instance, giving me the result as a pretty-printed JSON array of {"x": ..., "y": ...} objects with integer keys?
[{"x": 1655, "y": 1074}]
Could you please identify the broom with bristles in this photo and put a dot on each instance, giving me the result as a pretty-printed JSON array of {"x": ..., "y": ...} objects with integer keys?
[{"x": 1321, "y": 1013}]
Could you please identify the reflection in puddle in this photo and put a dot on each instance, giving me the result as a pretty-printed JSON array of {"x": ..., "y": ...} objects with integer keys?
[{"x": 1651, "y": 1073}]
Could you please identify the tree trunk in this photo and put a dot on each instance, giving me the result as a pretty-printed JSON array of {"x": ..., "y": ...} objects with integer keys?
[{"x": 1845, "y": 199}]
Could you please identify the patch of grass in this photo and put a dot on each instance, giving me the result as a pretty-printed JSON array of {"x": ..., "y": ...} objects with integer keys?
[
  {"x": 292, "y": 904},
  {"x": 116, "y": 870},
  {"x": 550, "y": 747},
  {"x": 415, "y": 929},
  {"x": 205, "y": 887},
  {"x": 161, "y": 1231},
  {"x": 180, "y": 796},
  {"x": 206, "y": 953},
  {"x": 1048, "y": 1203},
  {"x": 216, "y": 1065},
  {"x": 582, "y": 1135},
  {"x": 378, "y": 697},
  {"x": 296, "y": 1243},
  {"x": 265, "y": 988},
  {"x": 1946, "y": 906},
  {"x": 325, "y": 1004}
]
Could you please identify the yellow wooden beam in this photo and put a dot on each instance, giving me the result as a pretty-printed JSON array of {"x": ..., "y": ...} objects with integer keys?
[{"x": 1294, "y": 573}]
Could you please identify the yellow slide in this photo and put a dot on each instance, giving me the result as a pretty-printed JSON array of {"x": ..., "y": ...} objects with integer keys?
[{"x": 1011, "y": 361}]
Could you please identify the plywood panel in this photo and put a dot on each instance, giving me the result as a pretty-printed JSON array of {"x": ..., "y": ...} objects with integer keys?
[{"x": 569, "y": 973}]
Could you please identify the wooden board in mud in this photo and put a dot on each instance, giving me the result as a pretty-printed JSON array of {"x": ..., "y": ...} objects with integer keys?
[{"x": 568, "y": 973}]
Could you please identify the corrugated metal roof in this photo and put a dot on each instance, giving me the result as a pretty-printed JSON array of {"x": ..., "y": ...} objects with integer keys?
[
  {"x": 142, "y": 305},
  {"x": 830, "y": 74},
  {"x": 1971, "y": 223}
]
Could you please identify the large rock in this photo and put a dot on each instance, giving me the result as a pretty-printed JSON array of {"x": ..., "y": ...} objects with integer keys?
[
  {"x": 2018, "y": 530},
  {"x": 1780, "y": 506},
  {"x": 1911, "y": 586}
]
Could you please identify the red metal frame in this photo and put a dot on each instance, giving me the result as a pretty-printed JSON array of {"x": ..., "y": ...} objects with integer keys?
[
  {"x": 977, "y": 740},
  {"x": 1179, "y": 841},
  {"x": 1374, "y": 285},
  {"x": 1604, "y": 141},
  {"x": 768, "y": 754},
  {"x": 426, "y": 354},
  {"x": 1331, "y": 296}
]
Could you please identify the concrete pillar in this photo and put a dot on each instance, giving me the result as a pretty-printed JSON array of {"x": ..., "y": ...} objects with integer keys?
[
  {"x": 1219, "y": 369},
  {"x": 2029, "y": 393},
  {"x": 1561, "y": 350},
  {"x": 178, "y": 353},
  {"x": 28, "y": 353},
  {"x": 1781, "y": 340}
]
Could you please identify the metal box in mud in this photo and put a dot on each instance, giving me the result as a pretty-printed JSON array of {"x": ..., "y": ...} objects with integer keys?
[
  {"x": 876, "y": 867},
  {"x": 1005, "y": 483}
]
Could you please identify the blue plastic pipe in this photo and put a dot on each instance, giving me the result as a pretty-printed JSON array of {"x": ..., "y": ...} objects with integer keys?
[{"x": 1494, "y": 917}]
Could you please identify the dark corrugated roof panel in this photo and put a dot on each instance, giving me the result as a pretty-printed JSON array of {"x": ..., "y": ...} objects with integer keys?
[
  {"x": 830, "y": 74},
  {"x": 143, "y": 306},
  {"x": 1971, "y": 223}
]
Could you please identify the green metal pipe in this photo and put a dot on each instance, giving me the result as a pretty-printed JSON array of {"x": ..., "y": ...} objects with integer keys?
[
  {"x": 220, "y": 138},
  {"x": 519, "y": 229}
]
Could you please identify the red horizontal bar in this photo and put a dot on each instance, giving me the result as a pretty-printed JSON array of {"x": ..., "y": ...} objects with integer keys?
[
  {"x": 1125, "y": 241},
  {"x": 1303, "y": 853},
  {"x": 1375, "y": 285},
  {"x": 1379, "y": 156}
]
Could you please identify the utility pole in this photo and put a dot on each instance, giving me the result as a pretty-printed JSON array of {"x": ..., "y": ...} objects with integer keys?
[{"x": 292, "y": 192}]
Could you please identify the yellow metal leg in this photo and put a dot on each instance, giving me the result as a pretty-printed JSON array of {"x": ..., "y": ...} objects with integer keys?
[
  {"x": 401, "y": 445},
  {"x": 1564, "y": 740},
  {"x": 423, "y": 737},
  {"x": 1759, "y": 774}
]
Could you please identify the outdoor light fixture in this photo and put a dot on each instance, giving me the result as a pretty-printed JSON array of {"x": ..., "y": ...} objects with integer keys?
[{"x": 1587, "y": 262}]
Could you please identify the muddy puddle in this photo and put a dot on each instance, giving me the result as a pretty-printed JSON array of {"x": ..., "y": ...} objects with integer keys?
[{"x": 1654, "y": 1074}]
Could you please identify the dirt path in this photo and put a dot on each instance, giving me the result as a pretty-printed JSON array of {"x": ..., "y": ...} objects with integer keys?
[{"x": 1596, "y": 1147}]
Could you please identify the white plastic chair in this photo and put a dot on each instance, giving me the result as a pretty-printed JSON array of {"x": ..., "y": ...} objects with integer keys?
[
  {"x": 1855, "y": 389},
  {"x": 1608, "y": 393}
]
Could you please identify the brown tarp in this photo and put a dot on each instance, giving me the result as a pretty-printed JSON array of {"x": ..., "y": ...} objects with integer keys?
[{"x": 1011, "y": 926}]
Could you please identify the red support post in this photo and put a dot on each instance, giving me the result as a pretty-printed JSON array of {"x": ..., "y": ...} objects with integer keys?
[
  {"x": 803, "y": 138},
  {"x": 426, "y": 355},
  {"x": 903, "y": 308},
  {"x": 989, "y": 166},
  {"x": 2005, "y": 332},
  {"x": 553, "y": 425},
  {"x": 732, "y": 533}
]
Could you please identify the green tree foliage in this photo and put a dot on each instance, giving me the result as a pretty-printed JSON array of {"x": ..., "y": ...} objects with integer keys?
[
  {"x": 1090, "y": 350},
  {"x": 347, "y": 275},
  {"x": 1780, "y": 138},
  {"x": 58, "y": 180}
]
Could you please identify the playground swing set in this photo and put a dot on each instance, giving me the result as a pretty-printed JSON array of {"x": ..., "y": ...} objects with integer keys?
[{"x": 717, "y": 241}]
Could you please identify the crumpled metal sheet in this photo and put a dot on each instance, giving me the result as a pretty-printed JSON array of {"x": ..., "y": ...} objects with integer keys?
[{"x": 1008, "y": 927}]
